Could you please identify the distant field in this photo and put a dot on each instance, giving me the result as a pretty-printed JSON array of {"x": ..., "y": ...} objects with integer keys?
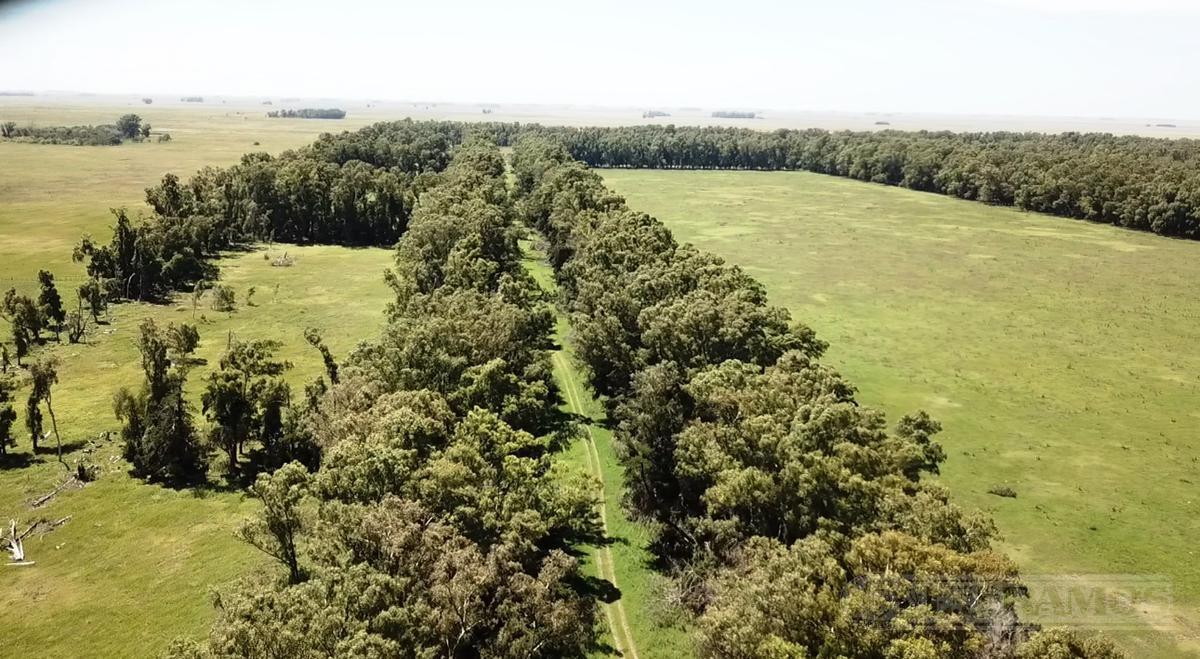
[
  {"x": 1060, "y": 356},
  {"x": 361, "y": 111},
  {"x": 51, "y": 194},
  {"x": 133, "y": 552}
]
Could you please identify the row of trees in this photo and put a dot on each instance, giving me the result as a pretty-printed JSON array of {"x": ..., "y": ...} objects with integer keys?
[
  {"x": 795, "y": 521},
  {"x": 309, "y": 113},
  {"x": 128, "y": 127},
  {"x": 1141, "y": 183},
  {"x": 1149, "y": 184},
  {"x": 437, "y": 524}
]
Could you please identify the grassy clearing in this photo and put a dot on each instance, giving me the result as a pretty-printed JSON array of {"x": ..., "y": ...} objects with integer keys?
[
  {"x": 650, "y": 629},
  {"x": 1060, "y": 356},
  {"x": 134, "y": 553}
]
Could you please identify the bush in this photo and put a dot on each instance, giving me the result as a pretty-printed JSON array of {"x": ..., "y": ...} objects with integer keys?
[
  {"x": 309, "y": 113},
  {"x": 224, "y": 298},
  {"x": 1003, "y": 491}
]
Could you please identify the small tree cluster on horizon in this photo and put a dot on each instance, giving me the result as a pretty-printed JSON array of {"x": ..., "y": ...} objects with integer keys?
[
  {"x": 127, "y": 127},
  {"x": 309, "y": 113}
]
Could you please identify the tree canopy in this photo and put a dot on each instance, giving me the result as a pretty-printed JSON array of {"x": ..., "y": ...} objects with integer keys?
[{"x": 437, "y": 523}]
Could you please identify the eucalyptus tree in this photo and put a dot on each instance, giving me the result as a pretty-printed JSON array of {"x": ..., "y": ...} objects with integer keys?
[
  {"x": 44, "y": 375},
  {"x": 236, "y": 395},
  {"x": 50, "y": 303}
]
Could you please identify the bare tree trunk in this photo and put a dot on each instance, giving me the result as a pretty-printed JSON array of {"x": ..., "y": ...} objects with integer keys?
[
  {"x": 232, "y": 451},
  {"x": 54, "y": 425}
]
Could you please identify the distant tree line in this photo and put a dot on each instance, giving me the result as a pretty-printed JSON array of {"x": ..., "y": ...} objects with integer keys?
[
  {"x": 437, "y": 524},
  {"x": 192, "y": 99},
  {"x": 654, "y": 114},
  {"x": 1143, "y": 183},
  {"x": 734, "y": 114},
  {"x": 128, "y": 127},
  {"x": 309, "y": 113},
  {"x": 795, "y": 521}
]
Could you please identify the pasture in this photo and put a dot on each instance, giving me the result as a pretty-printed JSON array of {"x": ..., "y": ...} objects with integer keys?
[{"x": 1060, "y": 357}]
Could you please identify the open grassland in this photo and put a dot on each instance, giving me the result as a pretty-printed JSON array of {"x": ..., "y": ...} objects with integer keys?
[
  {"x": 1060, "y": 356},
  {"x": 133, "y": 552}
]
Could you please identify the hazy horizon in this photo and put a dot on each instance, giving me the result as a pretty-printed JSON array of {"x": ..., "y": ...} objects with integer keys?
[{"x": 1047, "y": 58}]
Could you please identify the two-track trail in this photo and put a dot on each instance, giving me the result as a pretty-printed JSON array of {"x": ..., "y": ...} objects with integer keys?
[
  {"x": 633, "y": 631},
  {"x": 618, "y": 623}
]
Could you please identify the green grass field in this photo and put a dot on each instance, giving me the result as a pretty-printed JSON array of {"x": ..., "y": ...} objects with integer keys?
[
  {"x": 51, "y": 194},
  {"x": 1060, "y": 356},
  {"x": 132, "y": 552}
]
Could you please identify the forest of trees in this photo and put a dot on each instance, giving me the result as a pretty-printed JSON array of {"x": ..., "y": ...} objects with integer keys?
[
  {"x": 411, "y": 497},
  {"x": 437, "y": 523},
  {"x": 309, "y": 113},
  {"x": 1142, "y": 183},
  {"x": 128, "y": 127},
  {"x": 793, "y": 521},
  {"x": 734, "y": 114}
]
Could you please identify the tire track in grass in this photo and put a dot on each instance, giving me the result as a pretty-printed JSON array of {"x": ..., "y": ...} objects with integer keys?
[{"x": 615, "y": 612}]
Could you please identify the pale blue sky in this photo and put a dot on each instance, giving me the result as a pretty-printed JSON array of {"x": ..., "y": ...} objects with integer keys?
[{"x": 1037, "y": 57}]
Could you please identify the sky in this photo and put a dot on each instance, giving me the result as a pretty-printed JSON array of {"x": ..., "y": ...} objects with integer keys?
[{"x": 1088, "y": 58}]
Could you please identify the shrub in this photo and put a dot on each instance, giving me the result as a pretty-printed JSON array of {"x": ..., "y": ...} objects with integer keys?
[
  {"x": 1003, "y": 491},
  {"x": 224, "y": 298}
]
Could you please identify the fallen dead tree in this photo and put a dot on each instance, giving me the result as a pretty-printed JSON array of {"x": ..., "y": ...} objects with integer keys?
[
  {"x": 72, "y": 483},
  {"x": 16, "y": 541}
]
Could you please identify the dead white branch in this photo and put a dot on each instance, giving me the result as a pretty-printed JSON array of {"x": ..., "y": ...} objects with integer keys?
[{"x": 72, "y": 483}]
